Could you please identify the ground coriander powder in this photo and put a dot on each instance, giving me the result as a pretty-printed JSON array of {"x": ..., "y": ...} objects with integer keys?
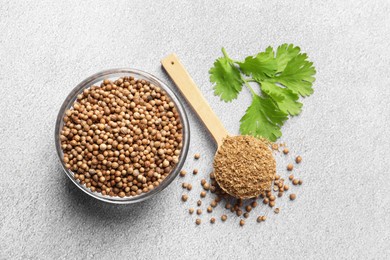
[{"x": 244, "y": 166}]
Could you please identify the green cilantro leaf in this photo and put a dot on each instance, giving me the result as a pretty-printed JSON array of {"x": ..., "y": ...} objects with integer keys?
[
  {"x": 227, "y": 79},
  {"x": 284, "y": 54},
  {"x": 260, "y": 67},
  {"x": 285, "y": 98},
  {"x": 298, "y": 75},
  {"x": 282, "y": 76},
  {"x": 263, "y": 118}
]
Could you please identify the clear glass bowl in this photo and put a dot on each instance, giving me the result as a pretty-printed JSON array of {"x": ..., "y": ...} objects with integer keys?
[{"x": 96, "y": 79}]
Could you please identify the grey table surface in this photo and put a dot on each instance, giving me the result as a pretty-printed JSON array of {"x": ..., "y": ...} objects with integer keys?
[{"x": 342, "y": 210}]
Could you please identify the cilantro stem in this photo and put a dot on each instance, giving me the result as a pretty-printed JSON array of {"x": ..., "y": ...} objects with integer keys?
[
  {"x": 225, "y": 53},
  {"x": 249, "y": 86}
]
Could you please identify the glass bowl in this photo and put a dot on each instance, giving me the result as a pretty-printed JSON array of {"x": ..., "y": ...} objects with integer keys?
[{"x": 96, "y": 79}]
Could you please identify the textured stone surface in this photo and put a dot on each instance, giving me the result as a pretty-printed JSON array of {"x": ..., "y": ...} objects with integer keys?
[{"x": 341, "y": 211}]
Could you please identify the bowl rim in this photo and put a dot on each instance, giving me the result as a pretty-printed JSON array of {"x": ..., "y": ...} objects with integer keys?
[{"x": 138, "y": 74}]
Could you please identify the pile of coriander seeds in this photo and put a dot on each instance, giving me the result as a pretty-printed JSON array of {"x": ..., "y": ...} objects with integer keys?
[
  {"x": 121, "y": 138},
  {"x": 212, "y": 196}
]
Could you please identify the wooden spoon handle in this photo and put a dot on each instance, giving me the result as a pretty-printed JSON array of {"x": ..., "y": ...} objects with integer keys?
[{"x": 191, "y": 92}]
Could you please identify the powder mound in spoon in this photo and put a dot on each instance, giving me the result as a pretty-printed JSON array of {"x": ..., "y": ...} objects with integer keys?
[{"x": 244, "y": 166}]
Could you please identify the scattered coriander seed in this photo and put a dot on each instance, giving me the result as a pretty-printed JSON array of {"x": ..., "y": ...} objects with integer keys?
[
  {"x": 291, "y": 177},
  {"x": 277, "y": 210},
  {"x": 189, "y": 186},
  {"x": 203, "y": 182},
  {"x": 218, "y": 199},
  {"x": 198, "y": 221},
  {"x": 246, "y": 215},
  {"x": 263, "y": 218},
  {"x": 199, "y": 211},
  {"x": 184, "y": 197},
  {"x": 212, "y": 220},
  {"x": 272, "y": 198},
  {"x": 183, "y": 173},
  {"x": 184, "y": 185},
  {"x": 199, "y": 203},
  {"x": 228, "y": 205},
  {"x": 293, "y": 196},
  {"x": 271, "y": 203},
  {"x": 298, "y": 159},
  {"x": 195, "y": 171},
  {"x": 242, "y": 222},
  {"x": 286, "y": 187},
  {"x": 203, "y": 194},
  {"x": 238, "y": 212},
  {"x": 286, "y": 151},
  {"x": 265, "y": 201},
  {"x": 295, "y": 181},
  {"x": 197, "y": 156},
  {"x": 191, "y": 210},
  {"x": 276, "y": 188},
  {"x": 248, "y": 208},
  {"x": 206, "y": 186},
  {"x": 290, "y": 167},
  {"x": 254, "y": 204},
  {"x": 259, "y": 219},
  {"x": 212, "y": 189},
  {"x": 223, "y": 217},
  {"x": 213, "y": 204},
  {"x": 300, "y": 182},
  {"x": 280, "y": 194},
  {"x": 268, "y": 194},
  {"x": 209, "y": 209},
  {"x": 212, "y": 176},
  {"x": 277, "y": 177}
]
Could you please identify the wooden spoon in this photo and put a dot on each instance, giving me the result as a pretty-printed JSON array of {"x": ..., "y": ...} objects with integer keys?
[
  {"x": 191, "y": 92},
  {"x": 188, "y": 88}
]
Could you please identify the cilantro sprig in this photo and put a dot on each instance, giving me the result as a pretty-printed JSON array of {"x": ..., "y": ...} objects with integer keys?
[{"x": 283, "y": 76}]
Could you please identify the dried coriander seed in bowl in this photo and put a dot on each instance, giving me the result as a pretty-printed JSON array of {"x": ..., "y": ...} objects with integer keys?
[{"x": 122, "y": 135}]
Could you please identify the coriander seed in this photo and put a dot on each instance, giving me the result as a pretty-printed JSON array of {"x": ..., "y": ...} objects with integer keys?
[
  {"x": 197, "y": 156},
  {"x": 242, "y": 222},
  {"x": 290, "y": 167},
  {"x": 212, "y": 220},
  {"x": 223, "y": 218},
  {"x": 298, "y": 159},
  {"x": 199, "y": 211},
  {"x": 184, "y": 197},
  {"x": 191, "y": 210},
  {"x": 293, "y": 196},
  {"x": 198, "y": 221},
  {"x": 183, "y": 173}
]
